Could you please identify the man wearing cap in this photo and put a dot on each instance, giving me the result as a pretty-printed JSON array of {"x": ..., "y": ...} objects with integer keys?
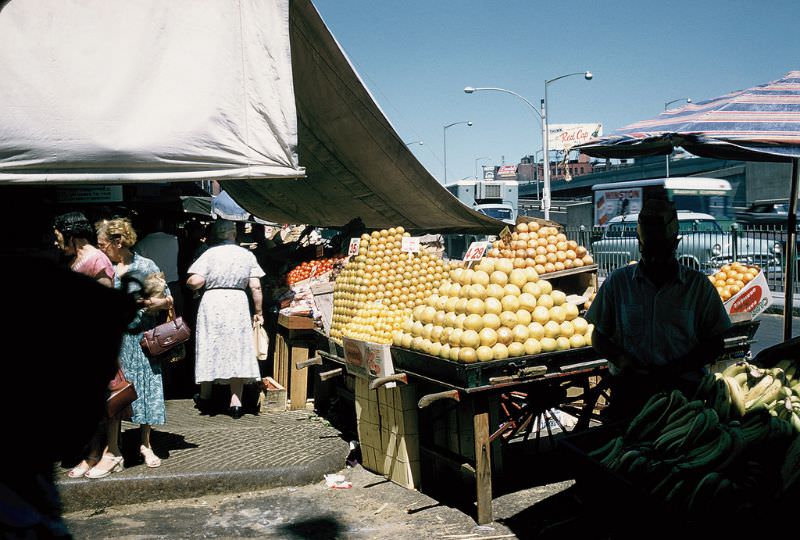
[{"x": 657, "y": 322}]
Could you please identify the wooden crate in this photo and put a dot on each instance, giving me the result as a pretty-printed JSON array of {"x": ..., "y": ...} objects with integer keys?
[
  {"x": 273, "y": 396},
  {"x": 295, "y": 323},
  {"x": 388, "y": 432}
]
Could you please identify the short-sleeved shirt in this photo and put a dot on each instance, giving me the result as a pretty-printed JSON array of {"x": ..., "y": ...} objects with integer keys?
[
  {"x": 226, "y": 266},
  {"x": 162, "y": 249},
  {"x": 657, "y": 325},
  {"x": 95, "y": 265}
]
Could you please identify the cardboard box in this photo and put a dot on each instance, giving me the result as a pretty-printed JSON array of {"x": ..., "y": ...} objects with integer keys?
[
  {"x": 368, "y": 360},
  {"x": 323, "y": 299},
  {"x": 754, "y": 298}
]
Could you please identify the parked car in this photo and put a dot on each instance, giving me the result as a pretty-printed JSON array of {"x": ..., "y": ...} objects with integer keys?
[
  {"x": 703, "y": 244},
  {"x": 768, "y": 212}
]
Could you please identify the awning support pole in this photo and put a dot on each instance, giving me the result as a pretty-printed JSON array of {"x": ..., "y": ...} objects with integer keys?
[{"x": 791, "y": 249}]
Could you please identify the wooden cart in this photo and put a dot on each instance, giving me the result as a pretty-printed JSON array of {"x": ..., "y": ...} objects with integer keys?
[{"x": 501, "y": 400}]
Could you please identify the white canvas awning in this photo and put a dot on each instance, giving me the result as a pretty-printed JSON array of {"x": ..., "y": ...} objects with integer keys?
[
  {"x": 115, "y": 91},
  {"x": 111, "y": 91}
]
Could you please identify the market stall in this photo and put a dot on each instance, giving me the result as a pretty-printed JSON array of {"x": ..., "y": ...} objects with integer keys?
[{"x": 486, "y": 351}]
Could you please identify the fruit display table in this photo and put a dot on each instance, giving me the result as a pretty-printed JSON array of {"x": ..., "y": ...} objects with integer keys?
[{"x": 464, "y": 408}]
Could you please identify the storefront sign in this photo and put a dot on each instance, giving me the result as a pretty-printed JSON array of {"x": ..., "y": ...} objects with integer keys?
[
  {"x": 506, "y": 171},
  {"x": 610, "y": 203},
  {"x": 562, "y": 137},
  {"x": 89, "y": 194}
]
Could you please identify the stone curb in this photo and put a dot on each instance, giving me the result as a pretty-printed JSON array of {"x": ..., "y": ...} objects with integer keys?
[{"x": 86, "y": 494}]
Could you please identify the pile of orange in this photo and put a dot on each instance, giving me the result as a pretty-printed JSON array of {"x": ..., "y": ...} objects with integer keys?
[
  {"x": 732, "y": 278},
  {"x": 542, "y": 248}
]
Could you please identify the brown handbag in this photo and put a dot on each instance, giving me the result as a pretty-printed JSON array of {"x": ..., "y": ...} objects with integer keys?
[
  {"x": 122, "y": 395},
  {"x": 165, "y": 336}
]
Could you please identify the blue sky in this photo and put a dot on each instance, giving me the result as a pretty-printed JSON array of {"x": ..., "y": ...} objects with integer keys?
[{"x": 417, "y": 56}]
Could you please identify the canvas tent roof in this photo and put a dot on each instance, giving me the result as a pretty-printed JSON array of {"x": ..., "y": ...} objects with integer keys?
[{"x": 215, "y": 90}]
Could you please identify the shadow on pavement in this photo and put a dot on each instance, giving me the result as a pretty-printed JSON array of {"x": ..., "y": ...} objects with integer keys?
[
  {"x": 319, "y": 528},
  {"x": 162, "y": 442}
]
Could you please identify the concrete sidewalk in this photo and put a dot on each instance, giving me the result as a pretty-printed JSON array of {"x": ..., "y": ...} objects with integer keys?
[{"x": 214, "y": 454}]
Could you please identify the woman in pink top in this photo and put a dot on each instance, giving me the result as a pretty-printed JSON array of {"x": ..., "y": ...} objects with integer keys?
[{"x": 74, "y": 237}]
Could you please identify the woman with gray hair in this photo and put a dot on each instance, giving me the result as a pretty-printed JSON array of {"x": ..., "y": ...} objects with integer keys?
[{"x": 224, "y": 350}]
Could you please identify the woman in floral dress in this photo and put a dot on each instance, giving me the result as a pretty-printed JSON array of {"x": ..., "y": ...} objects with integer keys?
[{"x": 115, "y": 238}]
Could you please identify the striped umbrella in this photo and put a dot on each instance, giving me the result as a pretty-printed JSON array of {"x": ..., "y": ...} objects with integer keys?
[{"x": 758, "y": 124}]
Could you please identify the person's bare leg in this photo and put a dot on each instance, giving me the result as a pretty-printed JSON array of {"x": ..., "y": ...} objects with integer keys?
[
  {"x": 113, "y": 431},
  {"x": 95, "y": 452},
  {"x": 112, "y": 458},
  {"x": 146, "y": 449},
  {"x": 237, "y": 387}
]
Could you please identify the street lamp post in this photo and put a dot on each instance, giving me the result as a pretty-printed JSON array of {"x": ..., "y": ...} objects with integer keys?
[
  {"x": 546, "y": 185},
  {"x": 536, "y": 172},
  {"x": 469, "y": 124},
  {"x": 537, "y": 115},
  {"x": 476, "y": 164},
  {"x": 411, "y": 143},
  {"x": 666, "y": 106},
  {"x": 541, "y": 116}
]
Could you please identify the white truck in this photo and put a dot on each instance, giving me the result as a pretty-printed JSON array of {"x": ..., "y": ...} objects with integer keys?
[{"x": 495, "y": 198}]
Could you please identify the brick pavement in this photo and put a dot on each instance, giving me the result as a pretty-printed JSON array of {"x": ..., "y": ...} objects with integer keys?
[{"x": 214, "y": 454}]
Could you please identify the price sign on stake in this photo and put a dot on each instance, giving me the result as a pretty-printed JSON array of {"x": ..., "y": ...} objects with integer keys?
[
  {"x": 355, "y": 243},
  {"x": 410, "y": 244},
  {"x": 505, "y": 234},
  {"x": 476, "y": 251}
]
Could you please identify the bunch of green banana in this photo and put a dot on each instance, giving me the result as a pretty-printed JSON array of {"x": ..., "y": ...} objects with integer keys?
[
  {"x": 712, "y": 492},
  {"x": 716, "y": 392},
  {"x": 654, "y": 415},
  {"x": 687, "y": 427},
  {"x": 609, "y": 452},
  {"x": 716, "y": 454}
]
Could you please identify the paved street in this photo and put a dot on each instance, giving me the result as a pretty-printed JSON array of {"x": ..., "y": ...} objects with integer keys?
[
  {"x": 373, "y": 508},
  {"x": 770, "y": 331}
]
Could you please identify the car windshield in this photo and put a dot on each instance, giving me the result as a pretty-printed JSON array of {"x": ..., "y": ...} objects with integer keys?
[
  {"x": 698, "y": 225},
  {"x": 497, "y": 213}
]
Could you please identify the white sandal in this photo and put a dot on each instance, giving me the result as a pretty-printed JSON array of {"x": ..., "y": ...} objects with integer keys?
[
  {"x": 117, "y": 465},
  {"x": 80, "y": 470},
  {"x": 150, "y": 458}
]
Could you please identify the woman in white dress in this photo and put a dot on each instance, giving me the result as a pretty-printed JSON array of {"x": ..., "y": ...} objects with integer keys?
[{"x": 224, "y": 350}]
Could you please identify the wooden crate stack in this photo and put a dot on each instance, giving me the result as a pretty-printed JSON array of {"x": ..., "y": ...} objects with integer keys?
[{"x": 388, "y": 432}]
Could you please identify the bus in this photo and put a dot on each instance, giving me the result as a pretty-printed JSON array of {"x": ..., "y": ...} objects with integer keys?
[{"x": 690, "y": 193}]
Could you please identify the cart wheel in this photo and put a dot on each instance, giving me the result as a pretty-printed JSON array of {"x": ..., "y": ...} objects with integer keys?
[{"x": 545, "y": 412}]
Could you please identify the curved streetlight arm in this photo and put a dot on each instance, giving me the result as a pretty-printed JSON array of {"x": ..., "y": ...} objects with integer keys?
[
  {"x": 469, "y": 123},
  {"x": 470, "y": 90},
  {"x": 444, "y": 142},
  {"x": 587, "y": 74},
  {"x": 668, "y": 103},
  {"x": 476, "y": 164}
]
